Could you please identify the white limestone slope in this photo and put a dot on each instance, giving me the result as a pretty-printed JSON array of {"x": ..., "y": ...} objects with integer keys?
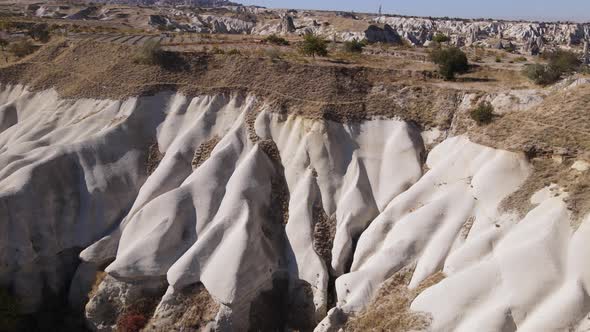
[{"x": 73, "y": 176}]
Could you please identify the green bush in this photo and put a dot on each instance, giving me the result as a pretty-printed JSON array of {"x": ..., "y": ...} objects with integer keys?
[
  {"x": 21, "y": 48},
  {"x": 313, "y": 45},
  {"x": 541, "y": 74},
  {"x": 520, "y": 59},
  {"x": 150, "y": 53},
  {"x": 274, "y": 39},
  {"x": 450, "y": 61},
  {"x": 354, "y": 46},
  {"x": 440, "y": 38},
  {"x": 562, "y": 61},
  {"x": 483, "y": 113},
  {"x": 40, "y": 32}
]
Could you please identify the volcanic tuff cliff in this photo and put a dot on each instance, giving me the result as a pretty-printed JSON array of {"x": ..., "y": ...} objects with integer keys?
[{"x": 240, "y": 208}]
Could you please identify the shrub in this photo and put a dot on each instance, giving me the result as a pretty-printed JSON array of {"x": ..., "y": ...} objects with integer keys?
[
  {"x": 131, "y": 322},
  {"x": 274, "y": 39},
  {"x": 498, "y": 58},
  {"x": 541, "y": 74},
  {"x": 313, "y": 45},
  {"x": 217, "y": 50},
  {"x": 9, "y": 312},
  {"x": 483, "y": 113},
  {"x": 520, "y": 59},
  {"x": 40, "y": 32},
  {"x": 150, "y": 53},
  {"x": 272, "y": 53},
  {"x": 21, "y": 48},
  {"x": 562, "y": 61},
  {"x": 354, "y": 46},
  {"x": 234, "y": 51},
  {"x": 440, "y": 38},
  {"x": 450, "y": 61}
]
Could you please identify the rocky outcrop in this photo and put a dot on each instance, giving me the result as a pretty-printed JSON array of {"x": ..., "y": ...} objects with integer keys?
[
  {"x": 387, "y": 35},
  {"x": 286, "y": 25},
  {"x": 255, "y": 218}
]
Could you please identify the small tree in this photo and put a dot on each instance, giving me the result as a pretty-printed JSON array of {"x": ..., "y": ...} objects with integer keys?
[
  {"x": 354, "y": 46},
  {"x": 314, "y": 45},
  {"x": 149, "y": 54},
  {"x": 21, "y": 48},
  {"x": 541, "y": 74},
  {"x": 440, "y": 38},
  {"x": 450, "y": 61},
  {"x": 274, "y": 39},
  {"x": 563, "y": 61},
  {"x": 40, "y": 32},
  {"x": 483, "y": 113}
]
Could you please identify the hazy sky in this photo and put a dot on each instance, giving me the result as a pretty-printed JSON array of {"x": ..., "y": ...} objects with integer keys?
[{"x": 528, "y": 9}]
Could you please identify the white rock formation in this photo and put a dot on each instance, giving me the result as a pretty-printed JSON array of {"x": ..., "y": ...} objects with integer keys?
[{"x": 361, "y": 205}]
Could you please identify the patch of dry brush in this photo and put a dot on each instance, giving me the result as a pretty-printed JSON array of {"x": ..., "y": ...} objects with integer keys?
[{"x": 390, "y": 310}]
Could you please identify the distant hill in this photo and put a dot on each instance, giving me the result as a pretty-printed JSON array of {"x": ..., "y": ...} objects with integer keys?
[{"x": 197, "y": 3}]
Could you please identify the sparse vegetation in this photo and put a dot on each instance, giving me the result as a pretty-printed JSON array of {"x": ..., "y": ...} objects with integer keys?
[
  {"x": 274, "y": 39},
  {"x": 450, "y": 61},
  {"x": 354, "y": 46},
  {"x": 314, "y": 45},
  {"x": 21, "y": 48},
  {"x": 560, "y": 63},
  {"x": 483, "y": 113},
  {"x": 149, "y": 54},
  {"x": 520, "y": 59}
]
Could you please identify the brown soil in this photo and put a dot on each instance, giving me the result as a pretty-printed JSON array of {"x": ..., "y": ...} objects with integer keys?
[{"x": 331, "y": 91}]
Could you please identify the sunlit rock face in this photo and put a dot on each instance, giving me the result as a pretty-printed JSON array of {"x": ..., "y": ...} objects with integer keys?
[{"x": 270, "y": 219}]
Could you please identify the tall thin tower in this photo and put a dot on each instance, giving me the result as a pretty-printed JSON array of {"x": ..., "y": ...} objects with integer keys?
[{"x": 380, "y": 9}]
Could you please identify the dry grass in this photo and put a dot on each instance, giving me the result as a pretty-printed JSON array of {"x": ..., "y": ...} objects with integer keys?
[
  {"x": 100, "y": 275},
  {"x": 390, "y": 310},
  {"x": 201, "y": 309},
  {"x": 204, "y": 152},
  {"x": 154, "y": 157}
]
